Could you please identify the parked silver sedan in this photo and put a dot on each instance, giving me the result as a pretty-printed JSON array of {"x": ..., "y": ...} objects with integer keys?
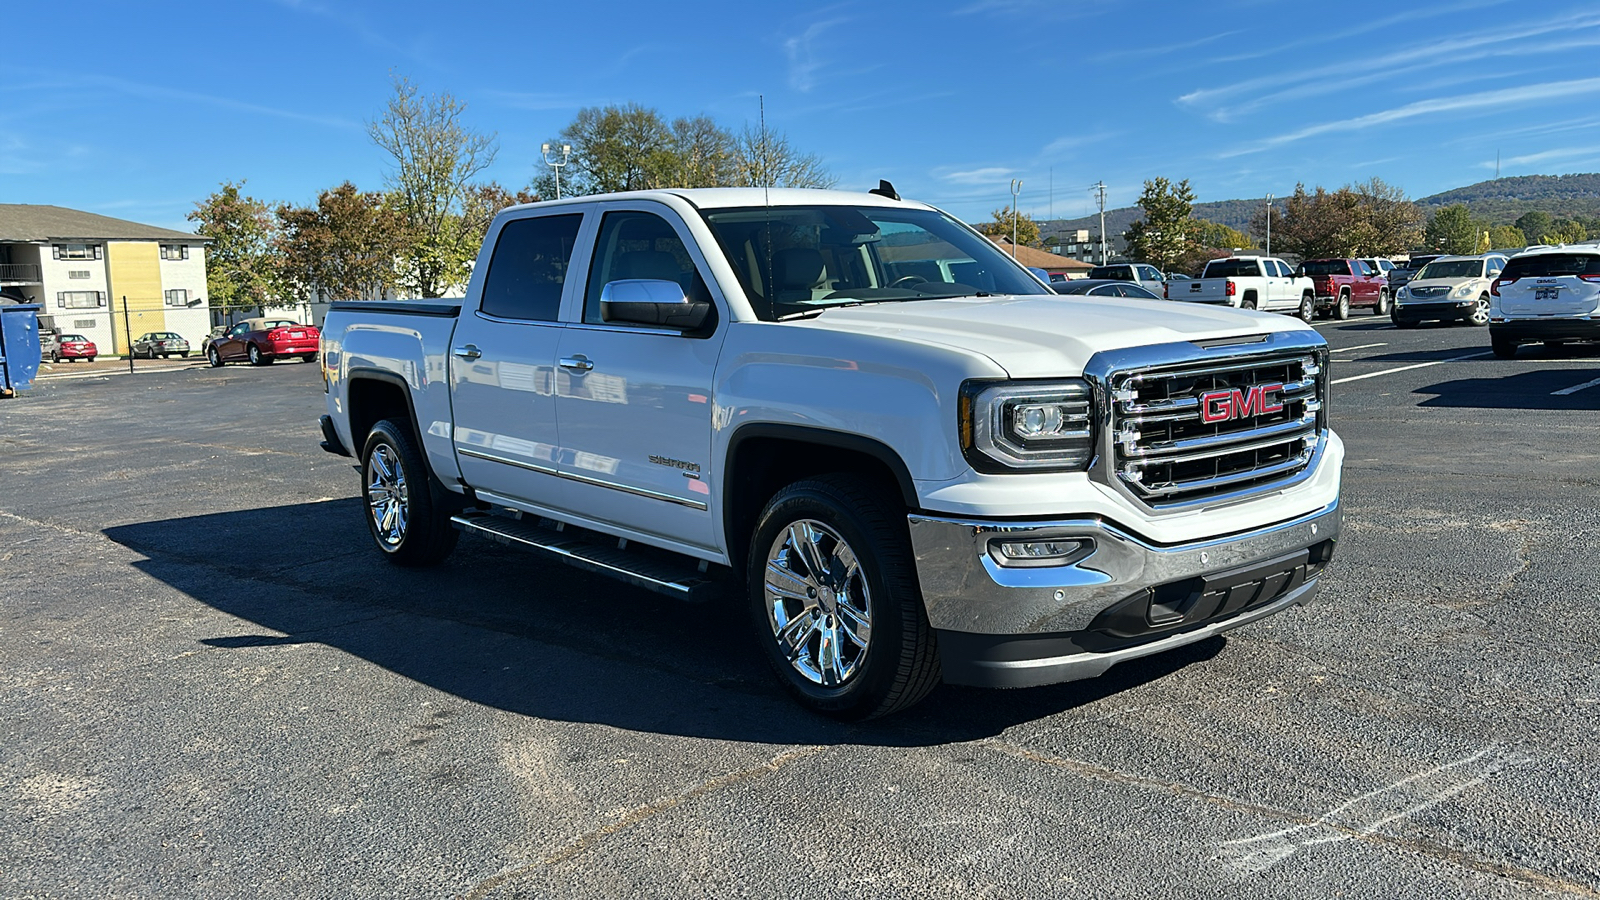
[{"x": 164, "y": 344}]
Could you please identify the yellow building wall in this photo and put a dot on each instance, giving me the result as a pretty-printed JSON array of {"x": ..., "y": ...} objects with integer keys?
[{"x": 134, "y": 271}]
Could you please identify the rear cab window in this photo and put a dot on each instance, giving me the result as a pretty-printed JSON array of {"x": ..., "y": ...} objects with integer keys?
[
  {"x": 1232, "y": 268},
  {"x": 1553, "y": 265},
  {"x": 528, "y": 268}
]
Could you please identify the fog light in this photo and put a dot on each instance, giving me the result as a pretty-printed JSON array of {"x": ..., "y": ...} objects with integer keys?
[{"x": 1053, "y": 552}]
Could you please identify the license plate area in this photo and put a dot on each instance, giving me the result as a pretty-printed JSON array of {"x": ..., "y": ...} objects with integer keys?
[{"x": 1547, "y": 293}]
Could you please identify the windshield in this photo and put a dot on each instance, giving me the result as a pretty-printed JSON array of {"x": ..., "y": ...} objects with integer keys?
[
  {"x": 800, "y": 260},
  {"x": 1455, "y": 268},
  {"x": 1318, "y": 267}
]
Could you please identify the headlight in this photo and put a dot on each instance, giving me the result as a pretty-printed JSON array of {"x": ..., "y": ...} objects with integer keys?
[
  {"x": 1466, "y": 290},
  {"x": 1404, "y": 294},
  {"x": 1037, "y": 426}
]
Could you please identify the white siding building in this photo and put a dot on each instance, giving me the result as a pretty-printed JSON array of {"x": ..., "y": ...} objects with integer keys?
[{"x": 107, "y": 279}]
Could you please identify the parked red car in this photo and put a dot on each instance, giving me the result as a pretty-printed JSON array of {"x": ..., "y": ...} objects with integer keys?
[
  {"x": 73, "y": 346},
  {"x": 262, "y": 341},
  {"x": 1345, "y": 283}
]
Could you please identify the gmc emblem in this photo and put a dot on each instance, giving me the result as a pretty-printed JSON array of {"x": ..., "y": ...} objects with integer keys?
[{"x": 1239, "y": 403}]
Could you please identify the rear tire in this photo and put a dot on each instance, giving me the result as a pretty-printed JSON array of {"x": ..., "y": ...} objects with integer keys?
[
  {"x": 407, "y": 524},
  {"x": 309, "y": 357},
  {"x": 1249, "y": 302},
  {"x": 857, "y": 595},
  {"x": 1341, "y": 309},
  {"x": 1503, "y": 347},
  {"x": 257, "y": 358}
]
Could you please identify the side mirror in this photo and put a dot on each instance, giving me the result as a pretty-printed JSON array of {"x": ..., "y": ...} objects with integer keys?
[
  {"x": 646, "y": 301},
  {"x": 1300, "y": 272}
]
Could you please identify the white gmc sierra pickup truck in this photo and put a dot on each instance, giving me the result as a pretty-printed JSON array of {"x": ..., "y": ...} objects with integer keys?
[{"x": 914, "y": 460}]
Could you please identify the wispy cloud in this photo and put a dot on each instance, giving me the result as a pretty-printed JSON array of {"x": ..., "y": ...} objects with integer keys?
[
  {"x": 1222, "y": 104},
  {"x": 1125, "y": 53},
  {"x": 804, "y": 63},
  {"x": 1477, "y": 102},
  {"x": 364, "y": 31},
  {"x": 1325, "y": 38},
  {"x": 1528, "y": 159},
  {"x": 985, "y": 175},
  {"x": 1073, "y": 141}
]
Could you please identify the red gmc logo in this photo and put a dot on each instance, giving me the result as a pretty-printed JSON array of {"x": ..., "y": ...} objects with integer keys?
[{"x": 1239, "y": 403}]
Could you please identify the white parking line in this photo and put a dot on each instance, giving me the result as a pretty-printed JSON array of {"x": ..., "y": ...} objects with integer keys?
[
  {"x": 1416, "y": 366},
  {"x": 1358, "y": 347},
  {"x": 1575, "y": 388}
]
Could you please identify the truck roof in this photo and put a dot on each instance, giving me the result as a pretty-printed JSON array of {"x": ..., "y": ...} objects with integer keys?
[{"x": 725, "y": 198}]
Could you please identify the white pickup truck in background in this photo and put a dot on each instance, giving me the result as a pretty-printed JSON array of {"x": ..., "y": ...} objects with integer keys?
[
  {"x": 910, "y": 459},
  {"x": 1250, "y": 282}
]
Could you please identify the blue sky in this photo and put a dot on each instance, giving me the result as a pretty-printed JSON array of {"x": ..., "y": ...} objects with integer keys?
[{"x": 139, "y": 110}]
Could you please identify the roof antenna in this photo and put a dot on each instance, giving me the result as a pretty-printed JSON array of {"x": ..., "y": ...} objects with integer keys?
[{"x": 885, "y": 189}]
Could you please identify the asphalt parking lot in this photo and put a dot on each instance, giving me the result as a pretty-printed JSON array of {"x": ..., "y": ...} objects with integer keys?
[{"x": 214, "y": 688}]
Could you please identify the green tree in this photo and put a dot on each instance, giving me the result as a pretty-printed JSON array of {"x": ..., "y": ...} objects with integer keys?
[
  {"x": 1163, "y": 236},
  {"x": 1385, "y": 222},
  {"x": 1534, "y": 225},
  {"x": 241, "y": 269},
  {"x": 999, "y": 226},
  {"x": 1451, "y": 229},
  {"x": 1507, "y": 236},
  {"x": 343, "y": 248},
  {"x": 436, "y": 157},
  {"x": 1565, "y": 231}
]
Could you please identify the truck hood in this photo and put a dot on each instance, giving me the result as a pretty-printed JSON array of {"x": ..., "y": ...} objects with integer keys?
[{"x": 1043, "y": 337}]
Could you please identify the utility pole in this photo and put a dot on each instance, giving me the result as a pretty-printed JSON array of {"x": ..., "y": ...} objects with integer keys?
[
  {"x": 1016, "y": 188},
  {"x": 1100, "y": 188},
  {"x": 1269, "y": 224}
]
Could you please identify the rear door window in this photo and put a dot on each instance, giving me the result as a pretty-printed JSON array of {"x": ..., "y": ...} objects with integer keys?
[{"x": 529, "y": 268}]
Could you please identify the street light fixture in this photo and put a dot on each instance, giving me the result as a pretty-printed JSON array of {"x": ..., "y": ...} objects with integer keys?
[
  {"x": 1016, "y": 188},
  {"x": 566, "y": 153}
]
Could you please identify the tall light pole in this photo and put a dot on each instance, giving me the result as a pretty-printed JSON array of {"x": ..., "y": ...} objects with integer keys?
[
  {"x": 566, "y": 153},
  {"x": 1101, "y": 187},
  {"x": 1269, "y": 224},
  {"x": 1016, "y": 188}
]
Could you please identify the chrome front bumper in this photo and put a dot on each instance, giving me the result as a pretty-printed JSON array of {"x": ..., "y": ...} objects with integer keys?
[{"x": 1005, "y": 626}]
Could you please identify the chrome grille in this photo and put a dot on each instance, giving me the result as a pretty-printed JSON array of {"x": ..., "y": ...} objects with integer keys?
[
  {"x": 1432, "y": 290},
  {"x": 1198, "y": 430}
]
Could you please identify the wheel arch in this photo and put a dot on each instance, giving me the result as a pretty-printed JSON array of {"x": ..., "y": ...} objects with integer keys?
[
  {"x": 763, "y": 457},
  {"x": 373, "y": 395}
]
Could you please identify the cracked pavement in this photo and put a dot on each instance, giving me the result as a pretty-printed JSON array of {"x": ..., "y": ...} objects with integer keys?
[{"x": 214, "y": 687}]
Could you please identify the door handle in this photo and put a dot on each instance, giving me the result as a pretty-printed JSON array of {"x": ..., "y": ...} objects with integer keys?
[
  {"x": 470, "y": 351},
  {"x": 579, "y": 363}
]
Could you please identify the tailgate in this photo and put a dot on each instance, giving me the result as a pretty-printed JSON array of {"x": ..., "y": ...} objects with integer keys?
[{"x": 1201, "y": 290}]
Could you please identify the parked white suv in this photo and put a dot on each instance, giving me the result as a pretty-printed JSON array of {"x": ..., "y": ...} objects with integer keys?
[
  {"x": 1549, "y": 294},
  {"x": 1449, "y": 289}
]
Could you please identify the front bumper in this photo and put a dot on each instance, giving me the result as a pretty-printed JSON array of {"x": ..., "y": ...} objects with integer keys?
[
  {"x": 1428, "y": 310},
  {"x": 1550, "y": 328},
  {"x": 1000, "y": 626}
]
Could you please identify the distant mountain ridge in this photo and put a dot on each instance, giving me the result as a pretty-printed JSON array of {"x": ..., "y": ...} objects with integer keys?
[{"x": 1499, "y": 200}]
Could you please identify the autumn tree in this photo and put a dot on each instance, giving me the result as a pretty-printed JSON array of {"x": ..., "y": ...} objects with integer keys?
[
  {"x": 436, "y": 158},
  {"x": 1211, "y": 240},
  {"x": 1385, "y": 221},
  {"x": 765, "y": 158},
  {"x": 999, "y": 226},
  {"x": 343, "y": 248},
  {"x": 484, "y": 201},
  {"x": 1368, "y": 219},
  {"x": 240, "y": 265},
  {"x": 1451, "y": 229},
  {"x": 1164, "y": 235}
]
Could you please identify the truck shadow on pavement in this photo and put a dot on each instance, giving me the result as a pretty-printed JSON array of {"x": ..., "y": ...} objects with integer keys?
[
  {"x": 1526, "y": 390},
  {"x": 504, "y": 629}
]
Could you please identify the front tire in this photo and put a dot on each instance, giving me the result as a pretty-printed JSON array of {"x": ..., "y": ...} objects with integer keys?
[
  {"x": 213, "y": 357},
  {"x": 257, "y": 358},
  {"x": 1308, "y": 308},
  {"x": 1480, "y": 312},
  {"x": 405, "y": 522},
  {"x": 1503, "y": 348},
  {"x": 1382, "y": 309},
  {"x": 834, "y": 599}
]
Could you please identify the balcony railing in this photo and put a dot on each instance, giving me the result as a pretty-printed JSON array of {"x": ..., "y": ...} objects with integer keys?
[{"x": 19, "y": 273}]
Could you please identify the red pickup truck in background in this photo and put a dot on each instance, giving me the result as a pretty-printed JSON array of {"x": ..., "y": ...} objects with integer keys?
[{"x": 1344, "y": 283}]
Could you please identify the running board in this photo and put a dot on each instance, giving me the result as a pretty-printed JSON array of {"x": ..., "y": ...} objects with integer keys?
[{"x": 683, "y": 580}]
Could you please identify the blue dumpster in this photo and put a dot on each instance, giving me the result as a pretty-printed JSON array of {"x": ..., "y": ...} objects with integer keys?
[{"x": 19, "y": 347}]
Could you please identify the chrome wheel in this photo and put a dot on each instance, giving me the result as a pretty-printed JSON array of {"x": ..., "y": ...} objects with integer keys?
[
  {"x": 1480, "y": 312},
  {"x": 388, "y": 500},
  {"x": 817, "y": 602}
]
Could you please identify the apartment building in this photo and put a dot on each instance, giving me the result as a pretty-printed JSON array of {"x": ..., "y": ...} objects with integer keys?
[{"x": 107, "y": 279}]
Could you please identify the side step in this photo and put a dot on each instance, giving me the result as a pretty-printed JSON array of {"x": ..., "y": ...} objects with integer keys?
[{"x": 679, "y": 577}]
